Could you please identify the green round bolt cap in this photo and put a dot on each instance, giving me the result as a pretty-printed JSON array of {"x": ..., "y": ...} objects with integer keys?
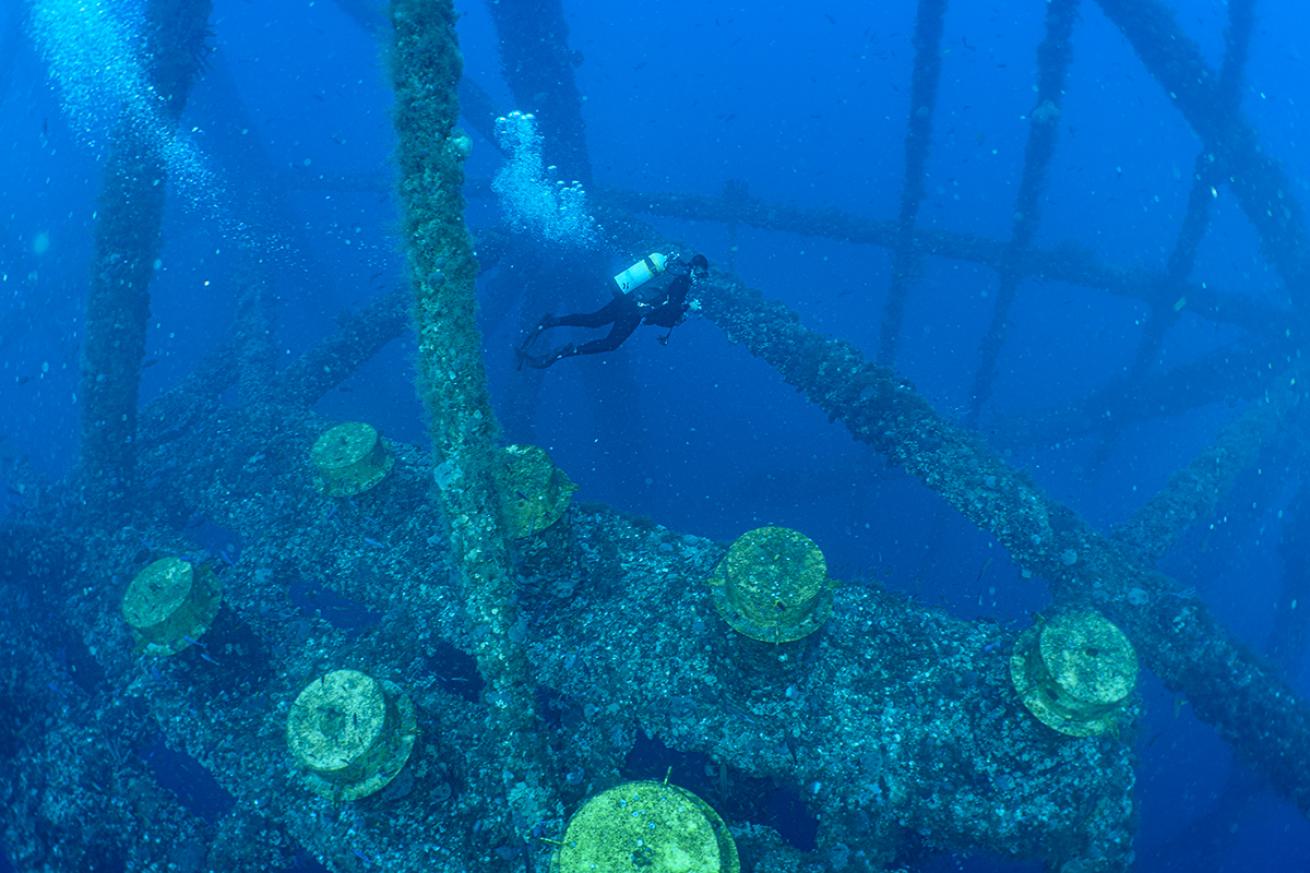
[
  {"x": 533, "y": 492},
  {"x": 773, "y": 585},
  {"x": 646, "y": 827},
  {"x": 1075, "y": 673},
  {"x": 349, "y": 459},
  {"x": 351, "y": 734},
  {"x": 170, "y": 604}
]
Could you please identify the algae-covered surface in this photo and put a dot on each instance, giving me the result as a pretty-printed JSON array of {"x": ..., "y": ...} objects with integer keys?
[{"x": 936, "y": 501}]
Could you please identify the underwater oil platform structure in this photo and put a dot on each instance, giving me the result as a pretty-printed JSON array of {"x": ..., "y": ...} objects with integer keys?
[{"x": 519, "y": 646}]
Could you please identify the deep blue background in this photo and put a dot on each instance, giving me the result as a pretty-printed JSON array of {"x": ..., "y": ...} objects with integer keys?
[{"x": 807, "y": 105}]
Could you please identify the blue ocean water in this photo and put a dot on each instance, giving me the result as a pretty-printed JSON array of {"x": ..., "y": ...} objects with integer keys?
[{"x": 288, "y": 144}]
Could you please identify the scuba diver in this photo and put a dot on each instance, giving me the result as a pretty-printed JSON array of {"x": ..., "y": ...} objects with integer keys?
[{"x": 629, "y": 308}]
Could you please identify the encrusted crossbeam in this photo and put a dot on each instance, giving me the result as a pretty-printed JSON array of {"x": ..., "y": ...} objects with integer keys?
[
  {"x": 1069, "y": 264},
  {"x": 1250, "y": 707}
]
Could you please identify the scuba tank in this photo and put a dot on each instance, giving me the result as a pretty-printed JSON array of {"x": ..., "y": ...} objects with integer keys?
[{"x": 641, "y": 272}]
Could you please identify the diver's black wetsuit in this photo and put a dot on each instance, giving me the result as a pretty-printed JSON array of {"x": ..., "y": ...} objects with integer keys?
[{"x": 625, "y": 312}]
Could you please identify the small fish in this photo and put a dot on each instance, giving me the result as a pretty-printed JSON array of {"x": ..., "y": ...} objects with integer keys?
[
  {"x": 377, "y": 544},
  {"x": 205, "y": 657}
]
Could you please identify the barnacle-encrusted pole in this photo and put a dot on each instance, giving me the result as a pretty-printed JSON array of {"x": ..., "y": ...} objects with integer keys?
[
  {"x": 538, "y": 67},
  {"x": 1261, "y": 186},
  {"x": 256, "y": 358},
  {"x": 426, "y": 67},
  {"x": 1043, "y": 124},
  {"x": 127, "y": 234},
  {"x": 918, "y": 136},
  {"x": 1179, "y": 640},
  {"x": 1207, "y": 174}
]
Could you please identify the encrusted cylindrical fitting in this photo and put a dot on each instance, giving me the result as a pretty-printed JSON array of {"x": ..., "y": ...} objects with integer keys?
[
  {"x": 533, "y": 492},
  {"x": 648, "y": 826},
  {"x": 170, "y": 603},
  {"x": 1075, "y": 672},
  {"x": 773, "y": 585},
  {"x": 349, "y": 459},
  {"x": 351, "y": 734}
]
